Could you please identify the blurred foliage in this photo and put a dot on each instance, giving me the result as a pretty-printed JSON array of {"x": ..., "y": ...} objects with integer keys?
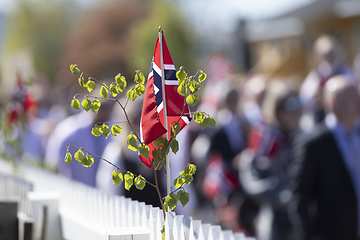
[
  {"x": 38, "y": 26},
  {"x": 178, "y": 35},
  {"x": 120, "y": 37}
]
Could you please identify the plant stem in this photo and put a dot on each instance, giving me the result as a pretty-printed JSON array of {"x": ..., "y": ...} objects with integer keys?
[
  {"x": 158, "y": 190},
  {"x": 117, "y": 168}
]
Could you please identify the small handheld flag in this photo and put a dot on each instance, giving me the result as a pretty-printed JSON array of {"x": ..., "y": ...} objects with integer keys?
[{"x": 163, "y": 105}]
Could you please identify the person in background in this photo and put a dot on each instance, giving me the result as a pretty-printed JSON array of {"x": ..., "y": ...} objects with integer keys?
[
  {"x": 220, "y": 184},
  {"x": 330, "y": 62},
  {"x": 76, "y": 130},
  {"x": 326, "y": 171},
  {"x": 253, "y": 93},
  {"x": 264, "y": 164}
]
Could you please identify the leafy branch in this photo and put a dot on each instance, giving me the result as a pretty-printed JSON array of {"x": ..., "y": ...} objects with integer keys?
[
  {"x": 188, "y": 86},
  {"x": 80, "y": 157}
]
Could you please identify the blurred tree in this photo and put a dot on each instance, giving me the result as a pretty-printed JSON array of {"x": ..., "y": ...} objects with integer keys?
[
  {"x": 38, "y": 26},
  {"x": 180, "y": 38},
  {"x": 120, "y": 37}
]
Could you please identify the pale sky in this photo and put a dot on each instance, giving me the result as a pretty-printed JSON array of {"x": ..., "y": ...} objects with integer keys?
[
  {"x": 213, "y": 12},
  {"x": 226, "y": 13}
]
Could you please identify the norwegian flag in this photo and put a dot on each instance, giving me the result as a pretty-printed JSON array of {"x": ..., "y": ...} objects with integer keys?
[
  {"x": 21, "y": 102},
  {"x": 152, "y": 124}
]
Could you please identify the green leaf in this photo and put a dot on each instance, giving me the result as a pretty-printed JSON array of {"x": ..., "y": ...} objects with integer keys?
[
  {"x": 96, "y": 131},
  {"x": 183, "y": 197},
  {"x": 192, "y": 99},
  {"x": 144, "y": 150},
  {"x": 182, "y": 89},
  {"x": 140, "y": 182},
  {"x": 139, "y": 77},
  {"x": 114, "y": 90},
  {"x": 198, "y": 117},
  {"x": 156, "y": 156},
  {"x": 159, "y": 142},
  {"x": 174, "y": 145},
  {"x": 211, "y": 121},
  {"x": 68, "y": 157},
  {"x": 86, "y": 104},
  {"x": 117, "y": 178},
  {"x": 95, "y": 106},
  {"x": 188, "y": 179},
  {"x": 74, "y": 69},
  {"x": 171, "y": 201},
  {"x": 177, "y": 128},
  {"x": 202, "y": 77},
  {"x": 190, "y": 169},
  {"x": 140, "y": 89},
  {"x": 79, "y": 156},
  {"x": 75, "y": 104},
  {"x": 131, "y": 94},
  {"x": 129, "y": 180},
  {"x": 181, "y": 75},
  {"x": 132, "y": 142},
  {"x": 194, "y": 86},
  {"x": 208, "y": 121},
  {"x": 104, "y": 91},
  {"x": 105, "y": 130},
  {"x": 116, "y": 129},
  {"x": 90, "y": 85},
  {"x": 82, "y": 81},
  {"x": 121, "y": 82},
  {"x": 179, "y": 181},
  {"x": 163, "y": 232},
  {"x": 163, "y": 151},
  {"x": 88, "y": 161},
  {"x": 173, "y": 131}
]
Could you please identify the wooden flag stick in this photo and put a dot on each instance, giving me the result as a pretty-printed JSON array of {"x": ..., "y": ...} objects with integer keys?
[{"x": 168, "y": 186}]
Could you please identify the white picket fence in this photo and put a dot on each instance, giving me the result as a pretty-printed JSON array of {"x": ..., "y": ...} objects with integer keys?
[{"x": 87, "y": 213}]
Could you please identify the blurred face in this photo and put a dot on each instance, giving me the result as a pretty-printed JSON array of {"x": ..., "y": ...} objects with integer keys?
[
  {"x": 347, "y": 106},
  {"x": 290, "y": 114}
]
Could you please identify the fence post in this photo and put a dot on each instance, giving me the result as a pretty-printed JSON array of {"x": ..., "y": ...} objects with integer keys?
[
  {"x": 117, "y": 209},
  {"x": 185, "y": 228},
  {"x": 49, "y": 216},
  {"x": 195, "y": 229},
  {"x": 215, "y": 233},
  {"x": 240, "y": 236},
  {"x": 128, "y": 233},
  {"x": 178, "y": 222},
  {"x": 204, "y": 231},
  {"x": 9, "y": 226},
  {"x": 169, "y": 224},
  {"x": 124, "y": 212},
  {"x": 159, "y": 223},
  {"x": 145, "y": 216},
  {"x": 227, "y": 235}
]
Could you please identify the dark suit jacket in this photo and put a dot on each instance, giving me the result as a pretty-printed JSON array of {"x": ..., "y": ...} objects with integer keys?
[{"x": 322, "y": 179}]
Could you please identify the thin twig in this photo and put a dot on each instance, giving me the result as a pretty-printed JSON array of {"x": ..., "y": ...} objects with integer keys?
[
  {"x": 158, "y": 191},
  {"x": 112, "y": 164}
]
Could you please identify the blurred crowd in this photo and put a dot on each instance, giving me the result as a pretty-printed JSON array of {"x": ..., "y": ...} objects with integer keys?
[{"x": 283, "y": 161}]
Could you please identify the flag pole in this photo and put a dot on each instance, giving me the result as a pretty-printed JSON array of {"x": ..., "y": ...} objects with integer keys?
[{"x": 165, "y": 109}]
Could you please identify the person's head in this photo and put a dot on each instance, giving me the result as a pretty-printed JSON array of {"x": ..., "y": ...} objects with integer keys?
[
  {"x": 328, "y": 53},
  {"x": 232, "y": 100},
  {"x": 342, "y": 98},
  {"x": 254, "y": 89},
  {"x": 104, "y": 112},
  {"x": 282, "y": 106}
]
